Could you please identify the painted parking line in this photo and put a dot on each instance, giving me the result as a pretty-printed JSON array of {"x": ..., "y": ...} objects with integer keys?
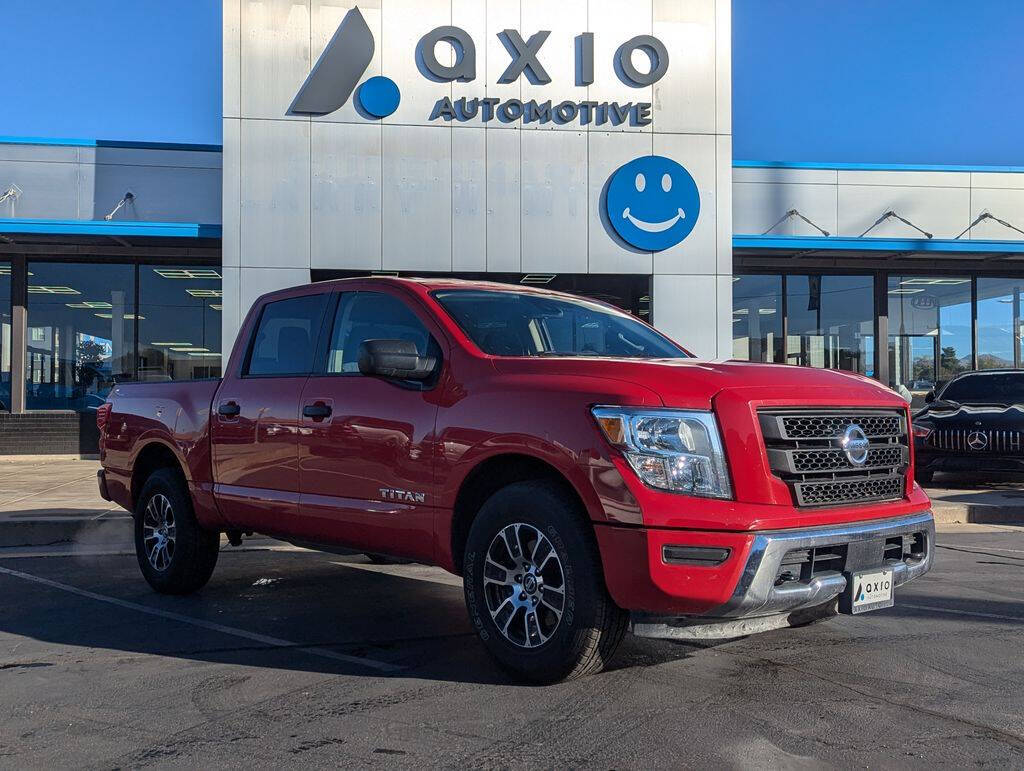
[
  {"x": 275, "y": 642},
  {"x": 954, "y": 612}
]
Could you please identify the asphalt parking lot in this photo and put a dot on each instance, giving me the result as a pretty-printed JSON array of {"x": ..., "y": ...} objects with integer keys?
[{"x": 291, "y": 657}]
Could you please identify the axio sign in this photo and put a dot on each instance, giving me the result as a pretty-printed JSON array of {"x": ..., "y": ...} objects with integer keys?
[
  {"x": 652, "y": 202},
  {"x": 350, "y": 51}
]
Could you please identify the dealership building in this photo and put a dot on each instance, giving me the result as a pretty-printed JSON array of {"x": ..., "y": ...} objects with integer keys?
[{"x": 583, "y": 145}]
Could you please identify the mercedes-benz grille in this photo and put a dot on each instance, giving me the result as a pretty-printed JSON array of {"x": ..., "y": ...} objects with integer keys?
[{"x": 837, "y": 457}]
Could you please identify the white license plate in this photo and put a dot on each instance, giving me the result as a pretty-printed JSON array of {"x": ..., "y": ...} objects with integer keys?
[{"x": 870, "y": 590}]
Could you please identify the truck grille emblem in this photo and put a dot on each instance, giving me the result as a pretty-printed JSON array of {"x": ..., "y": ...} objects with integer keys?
[{"x": 855, "y": 444}]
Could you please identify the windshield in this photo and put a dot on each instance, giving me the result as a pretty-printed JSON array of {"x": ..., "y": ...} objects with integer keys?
[
  {"x": 986, "y": 388},
  {"x": 522, "y": 324}
]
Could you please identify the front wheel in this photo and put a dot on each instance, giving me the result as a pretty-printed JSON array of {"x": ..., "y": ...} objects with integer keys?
[
  {"x": 175, "y": 554},
  {"x": 534, "y": 586}
]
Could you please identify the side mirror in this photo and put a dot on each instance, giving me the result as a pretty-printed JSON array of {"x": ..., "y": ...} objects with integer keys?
[
  {"x": 395, "y": 359},
  {"x": 929, "y": 397}
]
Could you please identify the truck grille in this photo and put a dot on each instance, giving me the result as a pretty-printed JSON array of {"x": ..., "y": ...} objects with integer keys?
[
  {"x": 805, "y": 450},
  {"x": 967, "y": 440}
]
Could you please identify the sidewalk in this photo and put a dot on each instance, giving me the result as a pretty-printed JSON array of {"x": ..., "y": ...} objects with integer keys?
[{"x": 45, "y": 502}]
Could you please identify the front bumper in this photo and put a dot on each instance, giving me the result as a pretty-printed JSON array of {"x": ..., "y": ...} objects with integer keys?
[
  {"x": 927, "y": 459},
  {"x": 752, "y": 582}
]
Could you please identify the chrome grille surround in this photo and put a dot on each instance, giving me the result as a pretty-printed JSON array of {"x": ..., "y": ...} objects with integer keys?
[
  {"x": 999, "y": 442},
  {"x": 804, "y": 449}
]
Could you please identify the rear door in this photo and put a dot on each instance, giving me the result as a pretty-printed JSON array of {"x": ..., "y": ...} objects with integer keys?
[
  {"x": 366, "y": 446},
  {"x": 256, "y": 422}
]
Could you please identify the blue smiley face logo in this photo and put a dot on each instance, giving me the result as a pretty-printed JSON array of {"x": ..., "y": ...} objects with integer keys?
[{"x": 652, "y": 203}]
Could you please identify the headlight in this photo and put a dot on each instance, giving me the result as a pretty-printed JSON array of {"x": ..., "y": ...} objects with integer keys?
[{"x": 675, "y": 450}]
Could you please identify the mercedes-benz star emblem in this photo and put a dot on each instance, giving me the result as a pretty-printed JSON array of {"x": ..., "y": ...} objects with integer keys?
[
  {"x": 977, "y": 440},
  {"x": 854, "y": 443}
]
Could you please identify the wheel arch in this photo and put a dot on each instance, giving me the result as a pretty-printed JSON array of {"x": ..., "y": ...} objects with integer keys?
[
  {"x": 492, "y": 474},
  {"x": 153, "y": 456}
]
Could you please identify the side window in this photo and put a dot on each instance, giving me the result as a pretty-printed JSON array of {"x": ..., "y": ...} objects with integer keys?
[
  {"x": 366, "y": 316},
  {"x": 286, "y": 336}
]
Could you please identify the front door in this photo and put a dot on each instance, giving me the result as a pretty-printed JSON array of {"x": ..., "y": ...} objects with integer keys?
[
  {"x": 366, "y": 446},
  {"x": 255, "y": 422}
]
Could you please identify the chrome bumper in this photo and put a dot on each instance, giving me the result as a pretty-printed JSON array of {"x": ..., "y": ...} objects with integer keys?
[{"x": 758, "y": 598}]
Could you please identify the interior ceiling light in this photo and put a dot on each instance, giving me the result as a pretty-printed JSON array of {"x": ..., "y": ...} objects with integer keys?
[
  {"x": 204, "y": 292},
  {"x": 741, "y": 311},
  {"x": 36, "y": 289},
  {"x": 537, "y": 278},
  {"x": 189, "y": 349},
  {"x": 192, "y": 273},
  {"x": 936, "y": 281},
  {"x": 128, "y": 316},
  {"x": 7, "y": 272},
  {"x": 905, "y": 291},
  {"x": 169, "y": 345},
  {"x": 94, "y": 304},
  {"x": 766, "y": 311},
  {"x": 204, "y": 354},
  {"x": 215, "y": 307}
]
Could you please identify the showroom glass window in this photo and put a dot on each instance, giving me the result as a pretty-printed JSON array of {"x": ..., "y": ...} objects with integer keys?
[
  {"x": 929, "y": 331},
  {"x": 831, "y": 322},
  {"x": 81, "y": 333},
  {"x": 999, "y": 312},
  {"x": 180, "y": 322},
  {"x": 5, "y": 336},
  {"x": 757, "y": 318}
]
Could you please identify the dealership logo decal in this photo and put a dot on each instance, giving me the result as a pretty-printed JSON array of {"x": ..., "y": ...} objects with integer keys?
[
  {"x": 349, "y": 53},
  {"x": 652, "y": 203}
]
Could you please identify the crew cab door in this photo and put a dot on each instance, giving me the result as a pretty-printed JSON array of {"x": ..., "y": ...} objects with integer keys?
[
  {"x": 366, "y": 445},
  {"x": 255, "y": 422}
]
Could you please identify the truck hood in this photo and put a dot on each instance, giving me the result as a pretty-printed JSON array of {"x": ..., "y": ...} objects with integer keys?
[{"x": 694, "y": 383}]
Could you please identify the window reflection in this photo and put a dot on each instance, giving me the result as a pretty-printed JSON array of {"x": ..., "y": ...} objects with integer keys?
[
  {"x": 5, "y": 336},
  {"x": 929, "y": 331},
  {"x": 999, "y": 330},
  {"x": 831, "y": 321},
  {"x": 180, "y": 326},
  {"x": 81, "y": 333},
  {"x": 757, "y": 318}
]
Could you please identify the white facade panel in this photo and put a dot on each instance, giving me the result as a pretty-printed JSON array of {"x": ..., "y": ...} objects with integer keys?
[
  {"x": 504, "y": 201},
  {"x": 255, "y": 282},
  {"x": 723, "y": 67},
  {"x": 232, "y": 58},
  {"x": 686, "y": 309},
  {"x": 724, "y": 210},
  {"x": 696, "y": 253},
  {"x": 685, "y": 100},
  {"x": 469, "y": 199},
  {"x": 48, "y": 190},
  {"x": 608, "y": 151},
  {"x": 554, "y": 201},
  {"x": 905, "y": 178},
  {"x": 786, "y": 176},
  {"x": 626, "y": 20},
  {"x": 162, "y": 194},
  {"x": 417, "y": 198},
  {"x": 326, "y": 15},
  {"x": 759, "y": 206},
  {"x": 1005, "y": 204},
  {"x": 564, "y": 20},
  {"x": 231, "y": 230},
  {"x": 275, "y": 193},
  {"x": 403, "y": 24},
  {"x": 492, "y": 58},
  {"x": 1000, "y": 179},
  {"x": 345, "y": 196},
  {"x": 941, "y": 211},
  {"x": 275, "y": 56}
]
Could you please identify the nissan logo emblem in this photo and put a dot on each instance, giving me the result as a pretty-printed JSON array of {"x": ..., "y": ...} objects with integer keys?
[{"x": 854, "y": 443}]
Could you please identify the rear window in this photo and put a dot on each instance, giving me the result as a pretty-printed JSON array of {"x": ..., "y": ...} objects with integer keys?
[
  {"x": 523, "y": 324},
  {"x": 286, "y": 336},
  {"x": 987, "y": 388}
]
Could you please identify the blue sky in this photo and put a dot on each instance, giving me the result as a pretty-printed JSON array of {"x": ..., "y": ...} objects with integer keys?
[{"x": 887, "y": 81}]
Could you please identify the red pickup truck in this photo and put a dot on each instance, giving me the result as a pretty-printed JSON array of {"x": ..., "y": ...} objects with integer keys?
[{"x": 583, "y": 473}]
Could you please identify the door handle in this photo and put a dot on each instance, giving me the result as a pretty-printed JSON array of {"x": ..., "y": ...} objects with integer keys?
[
  {"x": 317, "y": 411},
  {"x": 229, "y": 410}
]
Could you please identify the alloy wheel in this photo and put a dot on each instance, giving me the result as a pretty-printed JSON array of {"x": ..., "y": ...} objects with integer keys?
[{"x": 159, "y": 532}]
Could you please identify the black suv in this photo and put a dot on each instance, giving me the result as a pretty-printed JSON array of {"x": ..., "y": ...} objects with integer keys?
[{"x": 975, "y": 422}]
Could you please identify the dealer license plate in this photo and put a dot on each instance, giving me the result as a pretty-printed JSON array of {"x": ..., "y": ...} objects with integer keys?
[{"x": 867, "y": 590}]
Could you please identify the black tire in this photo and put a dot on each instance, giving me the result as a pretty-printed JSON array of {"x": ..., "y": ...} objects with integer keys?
[
  {"x": 590, "y": 626},
  {"x": 924, "y": 477},
  {"x": 188, "y": 563}
]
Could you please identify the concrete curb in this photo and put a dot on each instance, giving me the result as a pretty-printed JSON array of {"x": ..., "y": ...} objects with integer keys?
[{"x": 952, "y": 514}]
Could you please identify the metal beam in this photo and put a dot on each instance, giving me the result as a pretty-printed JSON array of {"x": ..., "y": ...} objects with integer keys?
[{"x": 19, "y": 332}]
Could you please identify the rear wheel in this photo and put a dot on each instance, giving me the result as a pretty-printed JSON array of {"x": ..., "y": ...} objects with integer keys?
[
  {"x": 175, "y": 554},
  {"x": 534, "y": 587}
]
